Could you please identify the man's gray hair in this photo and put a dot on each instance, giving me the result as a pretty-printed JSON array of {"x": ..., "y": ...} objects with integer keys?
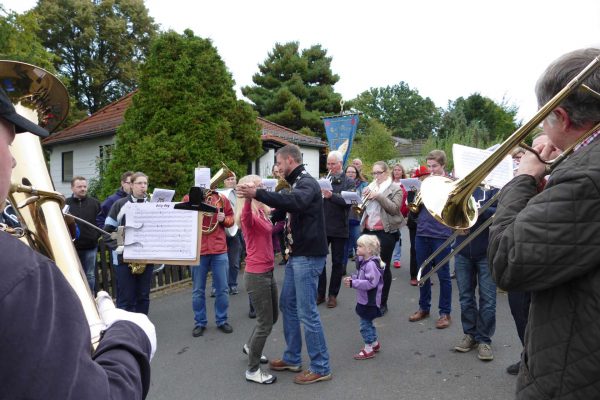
[
  {"x": 581, "y": 106},
  {"x": 336, "y": 154},
  {"x": 291, "y": 150}
]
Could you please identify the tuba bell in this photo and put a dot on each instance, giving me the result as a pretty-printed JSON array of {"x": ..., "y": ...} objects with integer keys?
[{"x": 43, "y": 99}]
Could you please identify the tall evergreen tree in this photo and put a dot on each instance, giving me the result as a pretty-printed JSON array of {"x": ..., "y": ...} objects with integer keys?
[
  {"x": 295, "y": 88},
  {"x": 401, "y": 109},
  {"x": 100, "y": 45},
  {"x": 185, "y": 113}
]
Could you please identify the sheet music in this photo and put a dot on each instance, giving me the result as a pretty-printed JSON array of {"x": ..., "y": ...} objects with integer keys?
[
  {"x": 466, "y": 159},
  {"x": 351, "y": 197},
  {"x": 156, "y": 231},
  {"x": 325, "y": 184},
  {"x": 202, "y": 177},
  {"x": 162, "y": 195},
  {"x": 411, "y": 184},
  {"x": 269, "y": 184}
]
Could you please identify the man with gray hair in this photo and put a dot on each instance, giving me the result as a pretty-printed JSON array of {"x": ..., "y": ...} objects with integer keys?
[
  {"x": 336, "y": 225},
  {"x": 548, "y": 242}
]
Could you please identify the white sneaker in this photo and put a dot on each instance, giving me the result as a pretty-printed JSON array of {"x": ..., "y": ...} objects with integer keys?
[
  {"x": 259, "y": 376},
  {"x": 263, "y": 358}
]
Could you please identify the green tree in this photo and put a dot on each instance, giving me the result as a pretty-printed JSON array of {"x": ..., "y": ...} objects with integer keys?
[
  {"x": 401, "y": 109},
  {"x": 373, "y": 143},
  {"x": 295, "y": 89},
  {"x": 498, "y": 120},
  {"x": 100, "y": 45},
  {"x": 185, "y": 113},
  {"x": 19, "y": 41}
]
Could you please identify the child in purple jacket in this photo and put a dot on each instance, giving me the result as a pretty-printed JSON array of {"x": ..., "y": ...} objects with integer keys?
[{"x": 368, "y": 282}]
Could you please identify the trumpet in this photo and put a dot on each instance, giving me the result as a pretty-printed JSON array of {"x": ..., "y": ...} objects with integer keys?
[
  {"x": 452, "y": 203},
  {"x": 360, "y": 208}
]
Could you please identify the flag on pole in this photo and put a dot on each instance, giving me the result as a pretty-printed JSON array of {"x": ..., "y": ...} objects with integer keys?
[{"x": 340, "y": 132}]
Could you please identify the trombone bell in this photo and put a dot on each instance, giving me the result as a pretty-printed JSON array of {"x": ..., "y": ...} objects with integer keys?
[{"x": 443, "y": 200}]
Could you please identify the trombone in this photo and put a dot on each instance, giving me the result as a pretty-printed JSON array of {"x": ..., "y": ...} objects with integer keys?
[{"x": 451, "y": 202}]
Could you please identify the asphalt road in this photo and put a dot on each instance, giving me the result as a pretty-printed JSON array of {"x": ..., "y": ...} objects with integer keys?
[{"x": 416, "y": 360}]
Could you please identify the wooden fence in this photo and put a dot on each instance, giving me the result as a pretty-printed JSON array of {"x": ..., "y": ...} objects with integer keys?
[{"x": 169, "y": 276}]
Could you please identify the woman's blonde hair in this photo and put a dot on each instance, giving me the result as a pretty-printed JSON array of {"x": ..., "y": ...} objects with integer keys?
[
  {"x": 371, "y": 243},
  {"x": 256, "y": 205}
]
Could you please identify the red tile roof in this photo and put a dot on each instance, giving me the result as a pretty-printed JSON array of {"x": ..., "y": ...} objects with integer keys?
[
  {"x": 106, "y": 121},
  {"x": 103, "y": 122}
]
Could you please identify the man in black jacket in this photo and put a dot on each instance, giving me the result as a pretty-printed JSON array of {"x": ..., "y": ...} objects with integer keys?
[
  {"x": 87, "y": 208},
  {"x": 548, "y": 243},
  {"x": 307, "y": 244},
  {"x": 336, "y": 225},
  {"x": 45, "y": 340}
]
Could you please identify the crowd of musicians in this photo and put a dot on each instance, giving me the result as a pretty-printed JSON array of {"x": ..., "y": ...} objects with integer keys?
[{"x": 542, "y": 248}]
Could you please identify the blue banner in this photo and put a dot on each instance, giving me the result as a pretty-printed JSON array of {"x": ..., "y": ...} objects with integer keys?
[{"x": 340, "y": 133}]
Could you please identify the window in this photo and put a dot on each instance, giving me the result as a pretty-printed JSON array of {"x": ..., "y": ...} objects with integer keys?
[{"x": 67, "y": 166}]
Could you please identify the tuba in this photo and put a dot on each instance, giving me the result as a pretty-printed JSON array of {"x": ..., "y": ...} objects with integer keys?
[{"x": 43, "y": 99}]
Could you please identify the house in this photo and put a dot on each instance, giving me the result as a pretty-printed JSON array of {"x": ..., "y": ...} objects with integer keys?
[
  {"x": 409, "y": 151},
  {"x": 80, "y": 148}
]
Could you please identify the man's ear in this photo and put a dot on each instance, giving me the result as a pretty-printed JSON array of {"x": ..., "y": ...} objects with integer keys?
[{"x": 562, "y": 118}]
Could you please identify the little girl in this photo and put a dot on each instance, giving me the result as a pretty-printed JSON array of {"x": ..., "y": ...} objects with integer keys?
[{"x": 368, "y": 282}]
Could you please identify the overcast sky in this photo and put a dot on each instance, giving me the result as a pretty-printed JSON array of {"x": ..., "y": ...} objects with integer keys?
[{"x": 443, "y": 49}]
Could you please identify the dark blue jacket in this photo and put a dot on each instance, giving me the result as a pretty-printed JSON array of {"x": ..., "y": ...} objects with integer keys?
[
  {"x": 477, "y": 249},
  {"x": 107, "y": 204},
  {"x": 45, "y": 344},
  {"x": 335, "y": 208},
  {"x": 305, "y": 204}
]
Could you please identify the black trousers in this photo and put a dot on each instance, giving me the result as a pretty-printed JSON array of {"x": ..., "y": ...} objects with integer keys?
[
  {"x": 414, "y": 268},
  {"x": 338, "y": 246},
  {"x": 387, "y": 242},
  {"x": 519, "y": 308}
]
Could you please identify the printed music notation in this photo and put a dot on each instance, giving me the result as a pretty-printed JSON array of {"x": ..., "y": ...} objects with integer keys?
[
  {"x": 156, "y": 231},
  {"x": 466, "y": 159}
]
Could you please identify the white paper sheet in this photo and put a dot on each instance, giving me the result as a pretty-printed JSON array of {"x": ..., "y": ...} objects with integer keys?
[
  {"x": 269, "y": 184},
  {"x": 466, "y": 159},
  {"x": 156, "y": 231},
  {"x": 202, "y": 177},
  {"x": 325, "y": 184},
  {"x": 162, "y": 195},
  {"x": 351, "y": 197}
]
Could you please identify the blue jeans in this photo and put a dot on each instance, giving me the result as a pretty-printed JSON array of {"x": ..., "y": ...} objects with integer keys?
[
  {"x": 425, "y": 246},
  {"x": 219, "y": 264},
  {"x": 133, "y": 290},
  {"x": 479, "y": 323},
  {"x": 88, "y": 263},
  {"x": 368, "y": 331},
  {"x": 234, "y": 253},
  {"x": 298, "y": 303},
  {"x": 397, "y": 254}
]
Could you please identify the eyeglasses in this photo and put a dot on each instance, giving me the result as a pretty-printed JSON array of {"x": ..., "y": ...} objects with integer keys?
[
  {"x": 127, "y": 182},
  {"x": 377, "y": 173}
]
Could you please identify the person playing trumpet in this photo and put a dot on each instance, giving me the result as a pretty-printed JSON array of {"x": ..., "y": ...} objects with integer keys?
[{"x": 382, "y": 218}]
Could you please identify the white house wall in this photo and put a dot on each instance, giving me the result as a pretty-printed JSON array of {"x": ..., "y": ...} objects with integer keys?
[
  {"x": 85, "y": 154},
  {"x": 310, "y": 157}
]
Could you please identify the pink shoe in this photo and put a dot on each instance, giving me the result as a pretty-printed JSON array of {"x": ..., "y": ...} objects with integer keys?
[
  {"x": 397, "y": 264},
  {"x": 377, "y": 347},
  {"x": 363, "y": 355}
]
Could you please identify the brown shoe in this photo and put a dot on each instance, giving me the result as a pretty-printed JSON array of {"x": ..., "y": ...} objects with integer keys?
[
  {"x": 307, "y": 377},
  {"x": 331, "y": 302},
  {"x": 418, "y": 316},
  {"x": 320, "y": 299},
  {"x": 443, "y": 322},
  {"x": 279, "y": 365}
]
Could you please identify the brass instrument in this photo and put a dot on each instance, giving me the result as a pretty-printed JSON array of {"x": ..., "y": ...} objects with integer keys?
[
  {"x": 360, "y": 208},
  {"x": 416, "y": 204},
  {"x": 451, "y": 203},
  {"x": 216, "y": 180},
  {"x": 43, "y": 99}
]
